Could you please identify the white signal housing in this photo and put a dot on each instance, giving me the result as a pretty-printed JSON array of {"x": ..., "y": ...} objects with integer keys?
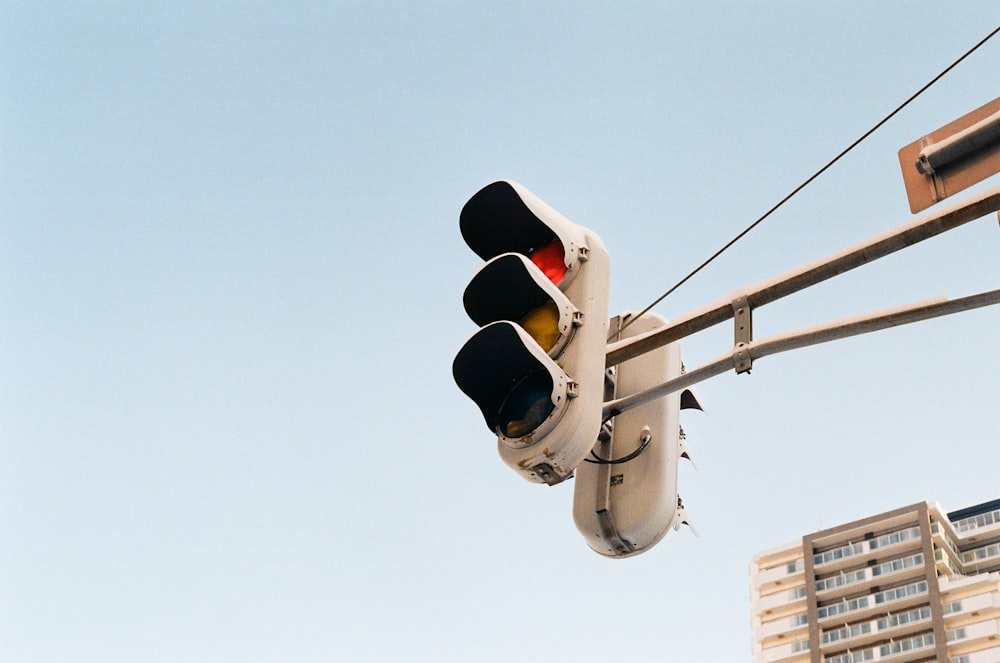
[
  {"x": 545, "y": 405},
  {"x": 625, "y": 499}
]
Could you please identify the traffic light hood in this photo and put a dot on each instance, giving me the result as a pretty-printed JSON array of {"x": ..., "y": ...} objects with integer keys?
[
  {"x": 504, "y": 217},
  {"x": 511, "y": 287},
  {"x": 526, "y": 391}
]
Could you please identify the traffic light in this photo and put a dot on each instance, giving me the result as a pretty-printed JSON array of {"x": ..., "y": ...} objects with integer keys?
[
  {"x": 535, "y": 368},
  {"x": 625, "y": 499}
]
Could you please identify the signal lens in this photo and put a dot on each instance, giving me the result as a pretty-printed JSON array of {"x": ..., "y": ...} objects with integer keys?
[
  {"x": 527, "y": 405},
  {"x": 551, "y": 260},
  {"x": 542, "y": 324}
]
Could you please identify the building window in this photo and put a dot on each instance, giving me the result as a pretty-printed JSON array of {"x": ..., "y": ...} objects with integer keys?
[
  {"x": 982, "y": 520},
  {"x": 901, "y": 592},
  {"x": 908, "y": 617},
  {"x": 907, "y": 644},
  {"x": 898, "y": 564},
  {"x": 841, "y": 579},
  {"x": 840, "y": 608},
  {"x": 979, "y": 554},
  {"x": 846, "y": 632},
  {"x": 947, "y": 539},
  {"x": 852, "y": 657},
  {"x": 838, "y": 553},
  {"x": 894, "y": 537}
]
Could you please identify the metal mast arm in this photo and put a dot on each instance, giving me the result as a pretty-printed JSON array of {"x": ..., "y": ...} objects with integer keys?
[
  {"x": 925, "y": 227},
  {"x": 805, "y": 337}
]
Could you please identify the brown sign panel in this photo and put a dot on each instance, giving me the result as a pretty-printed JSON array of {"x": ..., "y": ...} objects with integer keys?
[{"x": 925, "y": 184}]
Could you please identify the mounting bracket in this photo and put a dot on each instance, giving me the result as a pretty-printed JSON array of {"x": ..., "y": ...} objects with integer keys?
[{"x": 742, "y": 333}]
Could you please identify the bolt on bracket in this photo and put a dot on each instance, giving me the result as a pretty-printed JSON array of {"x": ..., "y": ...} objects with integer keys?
[{"x": 742, "y": 334}]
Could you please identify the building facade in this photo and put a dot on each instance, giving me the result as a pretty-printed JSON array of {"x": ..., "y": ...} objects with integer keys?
[{"x": 911, "y": 585}]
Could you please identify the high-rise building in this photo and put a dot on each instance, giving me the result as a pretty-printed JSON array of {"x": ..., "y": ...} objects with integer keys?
[{"x": 911, "y": 585}]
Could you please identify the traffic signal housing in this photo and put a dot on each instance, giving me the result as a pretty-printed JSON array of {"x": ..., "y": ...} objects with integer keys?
[
  {"x": 625, "y": 499},
  {"x": 535, "y": 367}
]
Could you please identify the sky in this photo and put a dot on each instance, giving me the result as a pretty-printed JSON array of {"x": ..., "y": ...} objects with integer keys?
[{"x": 231, "y": 291}]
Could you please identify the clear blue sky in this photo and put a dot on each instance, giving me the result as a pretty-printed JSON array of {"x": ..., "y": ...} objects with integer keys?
[{"x": 231, "y": 294}]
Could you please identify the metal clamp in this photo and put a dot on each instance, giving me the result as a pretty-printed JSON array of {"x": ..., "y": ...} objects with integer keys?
[{"x": 742, "y": 334}]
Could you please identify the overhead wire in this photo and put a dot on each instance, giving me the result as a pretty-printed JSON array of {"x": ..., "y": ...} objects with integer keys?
[{"x": 809, "y": 180}]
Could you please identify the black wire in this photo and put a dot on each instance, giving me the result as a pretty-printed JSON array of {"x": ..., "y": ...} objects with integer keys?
[
  {"x": 810, "y": 179},
  {"x": 646, "y": 439}
]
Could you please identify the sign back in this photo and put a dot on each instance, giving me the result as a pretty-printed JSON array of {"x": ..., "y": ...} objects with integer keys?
[{"x": 952, "y": 158}]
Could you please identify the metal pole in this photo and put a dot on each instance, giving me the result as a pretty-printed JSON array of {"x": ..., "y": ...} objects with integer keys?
[
  {"x": 925, "y": 227},
  {"x": 959, "y": 146},
  {"x": 805, "y": 337}
]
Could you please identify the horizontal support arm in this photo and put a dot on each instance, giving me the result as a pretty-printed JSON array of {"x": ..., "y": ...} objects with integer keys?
[
  {"x": 805, "y": 337},
  {"x": 925, "y": 227}
]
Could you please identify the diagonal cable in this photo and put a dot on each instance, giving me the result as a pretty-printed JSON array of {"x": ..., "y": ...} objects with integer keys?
[{"x": 810, "y": 179}]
